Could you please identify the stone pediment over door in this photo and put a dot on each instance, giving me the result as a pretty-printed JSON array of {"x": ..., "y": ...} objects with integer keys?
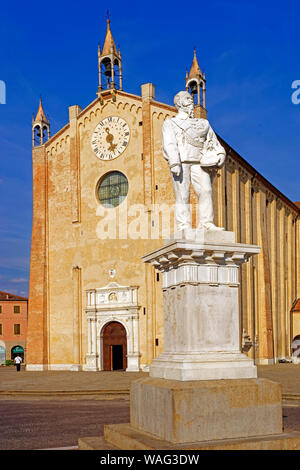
[
  {"x": 112, "y": 303},
  {"x": 112, "y": 296}
]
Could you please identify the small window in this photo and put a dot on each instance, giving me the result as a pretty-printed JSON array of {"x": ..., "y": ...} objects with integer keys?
[
  {"x": 17, "y": 329},
  {"x": 0, "y": 308},
  {"x": 17, "y": 309},
  {"x": 1, "y": 329}
]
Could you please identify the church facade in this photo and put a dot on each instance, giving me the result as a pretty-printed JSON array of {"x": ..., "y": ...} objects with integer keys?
[{"x": 103, "y": 198}]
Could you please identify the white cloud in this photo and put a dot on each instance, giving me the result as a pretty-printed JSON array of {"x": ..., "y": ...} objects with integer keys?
[{"x": 18, "y": 280}]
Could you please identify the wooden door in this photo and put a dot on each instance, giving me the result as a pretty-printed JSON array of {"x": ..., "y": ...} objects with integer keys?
[{"x": 114, "y": 347}]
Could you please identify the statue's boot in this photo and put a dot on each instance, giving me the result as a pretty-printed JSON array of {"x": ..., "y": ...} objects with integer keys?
[{"x": 211, "y": 227}]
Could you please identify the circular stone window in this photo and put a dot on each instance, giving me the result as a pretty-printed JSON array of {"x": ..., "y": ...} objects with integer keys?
[{"x": 112, "y": 189}]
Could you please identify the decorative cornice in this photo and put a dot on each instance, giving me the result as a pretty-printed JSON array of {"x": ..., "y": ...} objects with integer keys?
[
  {"x": 244, "y": 175},
  {"x": 255, "y": 185},
  {"x": 184, "y": 252},
  {"x": 230, "y": 164},
  {"x": 270, "y": 197}
]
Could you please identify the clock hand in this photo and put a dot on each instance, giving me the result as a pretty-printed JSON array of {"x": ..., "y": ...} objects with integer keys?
[{"x": 109, "y": 139}]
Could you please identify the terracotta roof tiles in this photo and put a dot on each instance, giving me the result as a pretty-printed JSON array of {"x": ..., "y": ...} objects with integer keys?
[{"x": 8, "y": 296}]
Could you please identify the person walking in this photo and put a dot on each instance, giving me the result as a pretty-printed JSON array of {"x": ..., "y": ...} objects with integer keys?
[{"x": 17, "y": 361}]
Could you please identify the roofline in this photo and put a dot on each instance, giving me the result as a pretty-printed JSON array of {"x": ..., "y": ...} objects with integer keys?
[
  {"x": 259, "y": 176},
  {"x": 54, "y": 136},
  {"x": 16, "y": 297},
  {"x": 293, "y": 309}
]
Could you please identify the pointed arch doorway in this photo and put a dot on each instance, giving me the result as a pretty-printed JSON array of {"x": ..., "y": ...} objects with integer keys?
[{"x": 114, "y": 342}]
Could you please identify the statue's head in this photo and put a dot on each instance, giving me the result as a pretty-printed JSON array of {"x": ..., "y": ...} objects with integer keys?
[{"x": 184, "y": 101}]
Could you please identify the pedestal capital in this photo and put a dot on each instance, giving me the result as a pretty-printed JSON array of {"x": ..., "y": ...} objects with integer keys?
[{"x": 179, "y": 252}]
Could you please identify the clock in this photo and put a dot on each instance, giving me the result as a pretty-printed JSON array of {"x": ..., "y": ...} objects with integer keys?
[{"x": 110, "y": 138}]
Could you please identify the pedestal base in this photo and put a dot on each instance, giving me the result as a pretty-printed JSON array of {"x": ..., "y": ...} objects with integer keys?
[
  {"x": 197, "y": 415},
  {"x": 124, "y": 436},
  {"x": 76, "y": 368},
  {"x": 181, "y": 412},
  {"x": 210, "y": 366}
]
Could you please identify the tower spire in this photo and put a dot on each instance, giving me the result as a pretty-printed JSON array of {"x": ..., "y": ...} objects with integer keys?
[
  {"x": 195, "y": 83},
  {"x": 40, "y": 126},
  {"x": 40, "y": 115},
  {"x": 109, "y": 42},
  {"x": 109, "y": 62}
]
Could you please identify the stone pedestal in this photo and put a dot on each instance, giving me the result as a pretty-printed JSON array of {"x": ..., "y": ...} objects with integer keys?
[
  {"x": 201, "y": 308},
  {"x": 202, "y": 393},
  {"x": 182, "y": 412}
]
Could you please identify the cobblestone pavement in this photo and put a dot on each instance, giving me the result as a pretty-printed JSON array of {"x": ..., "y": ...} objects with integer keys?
[
  {"x": 50, "y": 420},
  {"x": 288, "y": 375},
  {"x": 97, "y": 382},
  {"x": 56, "y": 424},
  {"x": 60, "y": 384}
]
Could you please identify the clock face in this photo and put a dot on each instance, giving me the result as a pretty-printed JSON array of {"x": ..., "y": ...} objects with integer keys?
[{"x": 110, "y": 138}]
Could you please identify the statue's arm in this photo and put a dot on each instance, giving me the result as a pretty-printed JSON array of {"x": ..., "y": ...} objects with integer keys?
[
  {"x": 217, "y": 146},
  {"x": 169, "y": 144}
]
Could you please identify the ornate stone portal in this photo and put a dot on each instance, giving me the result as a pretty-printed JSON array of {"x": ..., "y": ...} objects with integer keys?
[{"x": 113, "y": 303}]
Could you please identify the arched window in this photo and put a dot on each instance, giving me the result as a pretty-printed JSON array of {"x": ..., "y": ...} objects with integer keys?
[
  {"x": 2, "y": 352},
  {"x": 295, "y": 346},
  {"x": 17, "y": 351}
]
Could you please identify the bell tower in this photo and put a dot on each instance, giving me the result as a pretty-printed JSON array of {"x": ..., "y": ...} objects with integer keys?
[
  {"x": 109, "y": 63},
  {"x": 195, "y": 84},
  {"x": 40, "y": 127},
  {"x": 37, "y": 348}
]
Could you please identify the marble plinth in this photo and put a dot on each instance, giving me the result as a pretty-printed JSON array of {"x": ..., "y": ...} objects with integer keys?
[
  {"x": 205, "y": 415},
  {"x": 205, "y": 410},
  {"x": 200, "y": 281}
]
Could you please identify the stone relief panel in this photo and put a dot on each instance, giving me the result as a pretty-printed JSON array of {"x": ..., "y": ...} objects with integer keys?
[{"x": 112, "y": 295}]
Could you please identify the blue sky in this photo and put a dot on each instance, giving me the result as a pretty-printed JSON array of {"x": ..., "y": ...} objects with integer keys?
[{"x": 248, "y": 49}]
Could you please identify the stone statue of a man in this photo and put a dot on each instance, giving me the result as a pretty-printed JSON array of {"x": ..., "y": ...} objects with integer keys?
[{"x": 192, "y": 150}]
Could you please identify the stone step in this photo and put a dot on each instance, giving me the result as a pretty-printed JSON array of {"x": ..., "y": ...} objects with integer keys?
[
  {"x": 94, "y": 443},
  {"x": 123, "y": 436}
]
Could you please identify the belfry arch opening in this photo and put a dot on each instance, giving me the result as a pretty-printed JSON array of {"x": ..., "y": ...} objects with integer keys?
[
  {"x": 45, "y": 134},
  {"x": 37, "y": 136}
]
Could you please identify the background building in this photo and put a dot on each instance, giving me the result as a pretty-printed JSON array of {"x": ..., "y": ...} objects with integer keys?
[
  {"x": 93, "y": 304},
  {"x": 13, "y": 326}
]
